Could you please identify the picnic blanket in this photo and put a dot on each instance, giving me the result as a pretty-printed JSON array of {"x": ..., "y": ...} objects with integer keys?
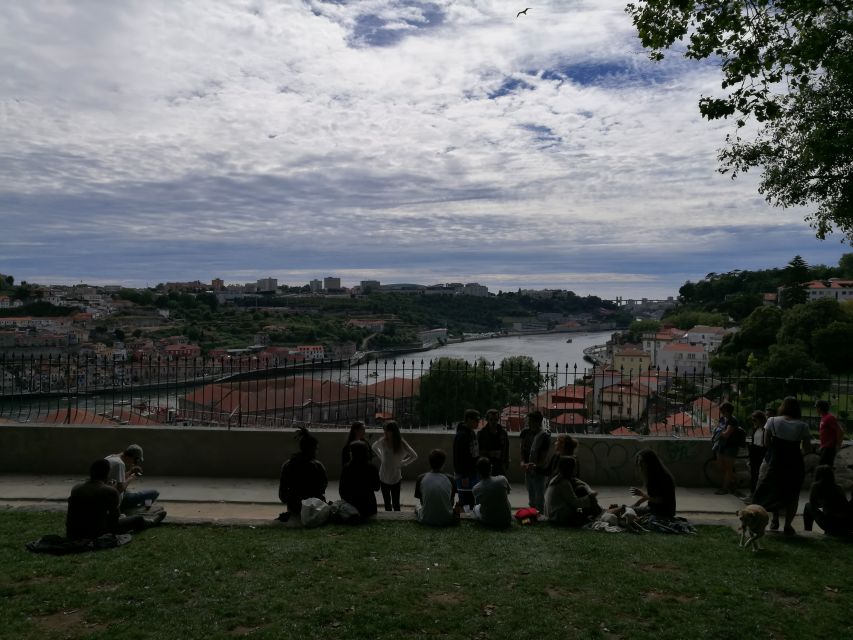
[{"x": 59, "y": 546}]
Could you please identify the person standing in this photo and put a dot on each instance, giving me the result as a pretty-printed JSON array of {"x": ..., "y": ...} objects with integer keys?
[
  {"x": 357, "y": 433},
  {"x": 493, "y": 441},
  {"x": 786, "y": 437},
  {"x": 394, "y": 453},
  {"x": 535, "y": 444},
  {"x": 124, "y": 469},
  {"x": 726, "y": 446},
  {"x": 831, "y": 434},
  {"x": 757, "y": 449},
  {"x": 466, "y": 452}
]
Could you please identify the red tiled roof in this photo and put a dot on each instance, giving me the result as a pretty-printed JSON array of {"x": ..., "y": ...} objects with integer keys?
[{"x": 394, "y": 388}]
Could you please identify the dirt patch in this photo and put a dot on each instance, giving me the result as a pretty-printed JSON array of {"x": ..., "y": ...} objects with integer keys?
[
  {"x": 71, "y": 622},
  {"x": 35, "y": 581},
  {"x": 445, "y": 599},
  {"x": 559, "y": 593},
  {"x": 785, "y": 599},
  {"x": 660, "y": 596},
  {"x": 242, "y": 632},
  {"x": 103, "y": 588}
]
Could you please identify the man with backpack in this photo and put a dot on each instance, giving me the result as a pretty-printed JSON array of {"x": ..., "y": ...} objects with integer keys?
[{"x": 727, "y": 440}]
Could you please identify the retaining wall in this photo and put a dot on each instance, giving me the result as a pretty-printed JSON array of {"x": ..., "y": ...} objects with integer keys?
[{"x": 259, "y": 453}]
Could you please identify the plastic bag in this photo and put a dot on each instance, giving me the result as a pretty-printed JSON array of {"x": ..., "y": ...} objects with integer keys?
[
  {"x": 345, "y": 513},
  {"x": 314, "y": 512}
]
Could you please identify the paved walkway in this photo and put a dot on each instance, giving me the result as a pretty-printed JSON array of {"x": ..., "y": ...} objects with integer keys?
[{"x": 255, "y": 501}]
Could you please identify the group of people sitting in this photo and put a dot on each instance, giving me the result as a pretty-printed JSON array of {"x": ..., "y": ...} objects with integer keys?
[
  {"x": 478, "y": 485},
  {"x": 104, "y": 505}
]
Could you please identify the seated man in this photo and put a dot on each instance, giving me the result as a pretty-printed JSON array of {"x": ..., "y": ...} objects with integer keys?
[
  {"x": 302, "y": 476},
  {"x": 436, "y": 491},
  {"x": 121, "y": 477},
  {"x": 491, "y": 495},
  {"x": 93, "y": 508}
]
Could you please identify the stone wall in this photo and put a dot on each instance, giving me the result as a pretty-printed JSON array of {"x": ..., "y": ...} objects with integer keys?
[{"x": 258, "y": 453}]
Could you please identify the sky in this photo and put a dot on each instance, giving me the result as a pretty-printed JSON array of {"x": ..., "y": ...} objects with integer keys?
[{"x": 158, "y": 140}]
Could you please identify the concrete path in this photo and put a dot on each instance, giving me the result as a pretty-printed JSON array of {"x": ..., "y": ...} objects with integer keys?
[{"x": 255, "y": 501}]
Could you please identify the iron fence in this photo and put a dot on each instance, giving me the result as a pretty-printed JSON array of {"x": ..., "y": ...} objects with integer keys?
[{"x": 417, "y": 393}]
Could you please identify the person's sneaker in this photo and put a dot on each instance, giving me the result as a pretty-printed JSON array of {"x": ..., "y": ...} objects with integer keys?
[
  {"x": 155, "y": 520},
  {"x": 721, "y": 492}
]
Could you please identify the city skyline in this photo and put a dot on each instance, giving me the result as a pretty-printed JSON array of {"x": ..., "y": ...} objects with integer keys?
[{"x": 379, "y": 140}]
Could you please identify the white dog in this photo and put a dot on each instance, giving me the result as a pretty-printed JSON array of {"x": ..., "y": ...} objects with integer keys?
[{"x": 753, "y": 522}]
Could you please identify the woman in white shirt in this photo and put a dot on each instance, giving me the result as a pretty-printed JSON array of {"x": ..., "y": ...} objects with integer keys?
[{"x": 394, "y": 453}]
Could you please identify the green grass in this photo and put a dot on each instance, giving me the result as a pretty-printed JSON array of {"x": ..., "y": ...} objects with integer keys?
[{"x": 397, "y": 580}]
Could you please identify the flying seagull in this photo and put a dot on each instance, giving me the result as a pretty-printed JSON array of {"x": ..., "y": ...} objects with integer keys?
[{"x": 524, "y": 12}]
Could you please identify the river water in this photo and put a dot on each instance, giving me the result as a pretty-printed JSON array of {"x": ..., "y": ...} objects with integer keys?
[{"x": 550, "y": 349}]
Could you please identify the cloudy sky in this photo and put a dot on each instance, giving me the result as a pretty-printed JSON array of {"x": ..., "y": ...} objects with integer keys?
[{"x": 375, "y": 139}]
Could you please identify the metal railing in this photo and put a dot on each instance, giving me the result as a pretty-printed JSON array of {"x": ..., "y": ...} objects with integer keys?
[{"x": 418, "y": 393}]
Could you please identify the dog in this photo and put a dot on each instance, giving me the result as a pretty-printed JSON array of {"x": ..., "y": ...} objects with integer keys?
[{"x": 753, "y": 522}]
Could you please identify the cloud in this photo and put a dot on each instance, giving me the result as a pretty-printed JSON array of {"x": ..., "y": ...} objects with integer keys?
[{"x": 152, "y": 141}]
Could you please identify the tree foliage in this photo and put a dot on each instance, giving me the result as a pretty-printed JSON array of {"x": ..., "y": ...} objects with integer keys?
[{"x": 788, "y": 77}]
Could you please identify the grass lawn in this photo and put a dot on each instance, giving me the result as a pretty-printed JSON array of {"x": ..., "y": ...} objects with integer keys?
[{"x": 397, "y": 580}]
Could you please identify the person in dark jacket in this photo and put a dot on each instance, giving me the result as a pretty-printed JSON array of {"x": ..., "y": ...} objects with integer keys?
[
  {"x": 535, "y": 445},
  {"x": 493, "y": 441},
  {"x": 828, "y": 505},
  {"x": 360, "y": 480},
  {"x": 466, "y": 452},
  {"x": 357, "y": 433},
  {"x": 303, "y": 476},
  {"x": 93, "y": 508}
]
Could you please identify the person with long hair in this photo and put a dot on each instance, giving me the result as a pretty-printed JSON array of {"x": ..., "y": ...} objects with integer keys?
[
  {"x": 360, "y": 480},
  {"x": 786, "y": 437},
  {"x": 357, "y": 433},
  {"x": 394, "y": 453},
  {"x": 302, "y": 476},
  {"x": 657, "y": 496},
  {"x": 568, "y": 499},
  {"x": 827, "y": 505}
]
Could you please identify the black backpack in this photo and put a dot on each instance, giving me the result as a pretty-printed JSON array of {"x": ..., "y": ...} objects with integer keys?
[{"x": 738, "y": 438}]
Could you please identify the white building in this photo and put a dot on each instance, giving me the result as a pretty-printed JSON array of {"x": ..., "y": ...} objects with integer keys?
[
  {"x": 331, "y": 283},
  {"x": 475, "y": 289},
  {"x": 267, "y": 285},
  {"x": 685, "y": 358}
]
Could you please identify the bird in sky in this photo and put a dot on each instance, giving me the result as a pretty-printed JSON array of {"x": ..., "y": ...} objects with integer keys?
[
  {"x": 524, "y": 12},
  {"x": 272, "y": 136}
]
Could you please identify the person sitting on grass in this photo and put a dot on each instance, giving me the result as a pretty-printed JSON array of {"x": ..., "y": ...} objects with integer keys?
[
  {"x": 303, "y": 476},
  {"x": 436, "y": 491},
  {"x": 827, "y": 505},
  {"x": 657, "y": 497},
  {"x": 568, "y": 499},
  {"x": 93, "y": 508},
  {"x": 360, "y": 480},
  {"x": 492, "y": 506}
]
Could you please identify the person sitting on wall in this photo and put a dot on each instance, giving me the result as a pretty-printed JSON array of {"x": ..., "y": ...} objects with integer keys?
[
  {"x": 124, "y": 469},
  {"x": 93, "y": 508},
  {"x": 436, "y": 491},
  {"x": 360, "y": 480},
  {"x": 491, "y": 495},
  {"x": 302, "y": 476}
]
